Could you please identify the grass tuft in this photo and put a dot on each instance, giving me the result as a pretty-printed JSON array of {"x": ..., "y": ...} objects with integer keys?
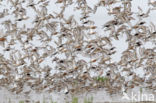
[
  {"x": 88, "y": 100},
  {"x": 101, "y": 79},
  {"x": 75, "y": 100},
  {"x": 21, "y": 101}
]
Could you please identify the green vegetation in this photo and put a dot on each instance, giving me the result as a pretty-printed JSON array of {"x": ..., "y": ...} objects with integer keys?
[
  {"x": 21, "y": 101},
  {"x": 75, "y": 100},
  {"x": 101, "y": 79},
  {"x": 141, "y": 90},
  {"x": 88, "y": 100}
]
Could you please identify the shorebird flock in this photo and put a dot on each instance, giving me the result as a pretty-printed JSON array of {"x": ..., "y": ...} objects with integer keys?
[{"x": 77, "y": 57}]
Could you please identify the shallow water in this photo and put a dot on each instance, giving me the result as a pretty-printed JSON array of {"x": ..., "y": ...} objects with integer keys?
[{"x": 99, "y": 96}]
